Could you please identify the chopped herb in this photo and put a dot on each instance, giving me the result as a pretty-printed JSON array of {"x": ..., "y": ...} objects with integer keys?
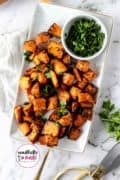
[
  {"x": 50, "y": 67},
  {"x": 85, "y": 37},
  {"x": 43, "y": 118},
  {"x": 47, "y": 89},
  {"x": 56, "y": 122},
  {"x": 47, "y": 74},
  {"x": 41, "y": 113},
  {"x": 111, "y": 117},
  {"x": 62, "y": 111},
  {"x": 27, "y": 55},
  {"x": 63, "y": 104},
  {"x": 38, "y": 68},
  {"x": 26, "y": 103}
]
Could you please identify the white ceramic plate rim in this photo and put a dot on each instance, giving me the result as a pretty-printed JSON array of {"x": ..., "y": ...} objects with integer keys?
[{"x": 22, "y": 138}]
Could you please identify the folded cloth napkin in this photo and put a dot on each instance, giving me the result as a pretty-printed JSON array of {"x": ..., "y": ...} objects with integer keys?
[{"x": 10, "y": 65}]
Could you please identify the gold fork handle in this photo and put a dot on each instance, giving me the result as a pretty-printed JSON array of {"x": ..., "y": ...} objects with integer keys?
[{"x": 83, "y": 172}]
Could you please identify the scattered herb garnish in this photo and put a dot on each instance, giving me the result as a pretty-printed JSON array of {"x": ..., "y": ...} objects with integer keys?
[
  {"x": 26, "y": 103},
  {"x": 38, "y": 68},
  {"x": 27, "y": 55},
  {"x": 63, "y": 104},
  {"x": 62, "y": 109},
  {"x": 47, "y": 89},
  {"x": 85, "y": 37},
  {"x": 41, "y": 113},
  {"x": 62, "y": 112},
  {"x": 111, "y": 117},
  {"x": 43, "y": 118},
  {"x": 50, "y": 67},
  {"x": 47, "y": 74},
  {"x": 56, "y": 122}
]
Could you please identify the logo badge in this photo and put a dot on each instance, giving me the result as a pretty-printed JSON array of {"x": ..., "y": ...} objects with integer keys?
[{"x": 27, "y": 155}]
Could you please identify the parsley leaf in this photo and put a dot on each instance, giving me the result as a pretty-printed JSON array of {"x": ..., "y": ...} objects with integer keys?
[
  {"x": 63, "y": 104},
  {"x": 47, "y": 90},
  {"x": 111, "y": 117},
  {"x": 47, "y": 74},
  {"x": 27, "y": 55}
]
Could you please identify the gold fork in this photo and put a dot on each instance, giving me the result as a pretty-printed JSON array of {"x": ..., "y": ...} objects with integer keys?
[{"x": 38, "y": 175}]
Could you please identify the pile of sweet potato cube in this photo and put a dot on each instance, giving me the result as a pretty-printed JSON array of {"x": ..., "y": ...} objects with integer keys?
[{"x": 55, "y": 84}]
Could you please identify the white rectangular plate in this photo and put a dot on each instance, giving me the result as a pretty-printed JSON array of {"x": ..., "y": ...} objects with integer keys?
[{"x": 44, "y": 16}]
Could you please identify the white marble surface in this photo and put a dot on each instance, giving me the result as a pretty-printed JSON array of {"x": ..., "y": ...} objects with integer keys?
[{"x": 14, "y": 17}]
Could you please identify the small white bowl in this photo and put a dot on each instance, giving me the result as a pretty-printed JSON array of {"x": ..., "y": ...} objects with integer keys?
[{"x": 67, "y": 27}]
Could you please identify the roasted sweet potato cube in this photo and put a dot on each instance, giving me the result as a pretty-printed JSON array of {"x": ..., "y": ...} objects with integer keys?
[
  {"x": 29, "y": 71},
  {"x": 63, "y": 87},
  {"x": 48, "y": 140},
  {"x": 54, "y": 116},
  {"x": 86, "y": 105},
  {"x": 30, "y": 98},
  {"x": 82, "y": 84},
  {"x": 90, "y": 75},
  {"x": 62, "y": 132},
  {"x": 27, "y": 109},
  {"x": 74, "y": 92},
  {"x": 34, "y": 75},
  {"x": 55, "y": 49},
  {"x": 37, "y": 125},
  {"x": 74, "y": 106},
  {"x": 18, "y": 113},
  {"x": 83, "y": 66},
  {"x": 54, "y": 79},
  {"x": 42, "y": 38},
  {"x": 87, "y": 113},
  {"x": 79, "y": 120},
  {"x": 77, "y": 74},
  {"x": 39, "y": 104},
  {"x": 91, "y": 89},
  {"x": 25, "y": 82},
  {"x": 51, "y": 128},
  {"x": 85, "y": 97},
  {"x": 41, "y": 57},
  {"x": 63, "y": 95},
  {"x": 74, "y": 133},
  {"x": 66, "y": 59},
  {"x": 35, "y": 90},
  {"x": 29, "y": 46},
  {"x": 41, "y": 68},
  {"x": 42, "y": 78},
  {"x": 33, "y": 136},
  {"x": 28, "y": 118},
  {"x": 52, "y": 103},
  {"x": 68, "y": 79},
  {"x": 58, "y": 66},
  {"x": 65, "y": 120},
  {"x": 24, "y": 128},
  {"x": 55, "y": 30}
]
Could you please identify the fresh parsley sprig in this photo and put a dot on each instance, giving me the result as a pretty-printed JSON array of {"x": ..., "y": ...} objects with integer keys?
[
  {"x": 111, "y": 117},
  {"x": 62, "y": 109},
  {"x": 27, "y": 55}
]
